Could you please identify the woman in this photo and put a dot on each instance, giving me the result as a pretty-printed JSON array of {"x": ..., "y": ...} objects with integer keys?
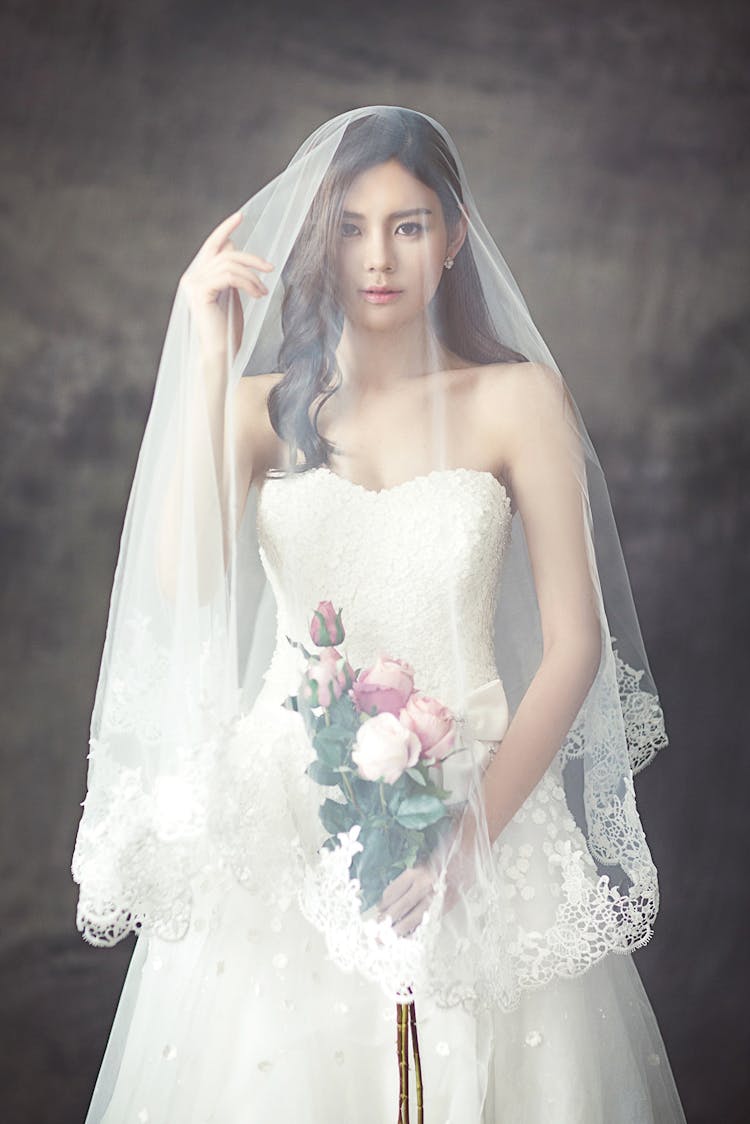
[{"x": 359, "y": 443}]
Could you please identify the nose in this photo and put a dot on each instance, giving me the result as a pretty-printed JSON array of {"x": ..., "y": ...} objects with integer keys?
[{"x": 378, "y": 255}]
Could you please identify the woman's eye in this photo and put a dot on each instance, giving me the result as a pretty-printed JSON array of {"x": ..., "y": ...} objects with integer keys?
[{"x": 348, "y": 229}]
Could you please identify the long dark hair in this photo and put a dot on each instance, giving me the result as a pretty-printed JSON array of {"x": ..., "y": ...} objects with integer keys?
[{"x": 311, "y": 316}]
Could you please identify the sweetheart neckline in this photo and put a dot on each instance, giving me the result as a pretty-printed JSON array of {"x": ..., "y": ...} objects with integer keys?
[{"x": 413, "y": 480}]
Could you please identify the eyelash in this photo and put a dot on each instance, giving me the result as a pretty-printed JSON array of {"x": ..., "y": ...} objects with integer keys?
[{"x": 419, "y": 225}]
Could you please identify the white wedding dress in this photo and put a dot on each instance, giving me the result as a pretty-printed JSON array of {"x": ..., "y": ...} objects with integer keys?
[{"x": 246, "y": 1020}]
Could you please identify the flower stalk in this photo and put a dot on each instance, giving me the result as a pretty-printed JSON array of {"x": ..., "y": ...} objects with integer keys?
[
  {"x": 406, "y": 1022},
  {"x": 402, "y": 1040}
]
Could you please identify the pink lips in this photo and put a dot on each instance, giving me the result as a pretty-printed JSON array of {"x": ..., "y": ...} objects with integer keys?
[{"x": 380, "y": 296}]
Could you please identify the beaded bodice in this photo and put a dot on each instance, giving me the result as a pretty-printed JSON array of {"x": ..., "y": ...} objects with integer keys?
[{"x": 415, "y": 569}]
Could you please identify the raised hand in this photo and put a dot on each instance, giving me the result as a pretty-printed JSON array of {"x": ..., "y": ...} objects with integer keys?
[{"x": 218, "y": 266}]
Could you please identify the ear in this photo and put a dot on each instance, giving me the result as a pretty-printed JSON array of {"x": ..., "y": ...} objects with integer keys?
[{"x": 458, "y": 234}]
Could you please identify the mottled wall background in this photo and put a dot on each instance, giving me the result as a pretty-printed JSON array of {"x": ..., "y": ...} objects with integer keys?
[{"x": 607, "y": 147}]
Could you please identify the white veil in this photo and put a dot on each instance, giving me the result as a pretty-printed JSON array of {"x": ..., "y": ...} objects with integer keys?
[{"x": 196, "y": 658}]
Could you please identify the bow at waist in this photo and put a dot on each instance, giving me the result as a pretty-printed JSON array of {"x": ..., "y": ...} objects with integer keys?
[{"x": 482, "y": 720}]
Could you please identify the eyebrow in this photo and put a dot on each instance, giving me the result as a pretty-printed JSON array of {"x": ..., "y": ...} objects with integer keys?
[{"x": 393, "y": 214}]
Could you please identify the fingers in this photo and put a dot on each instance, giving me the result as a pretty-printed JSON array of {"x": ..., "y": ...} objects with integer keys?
[
  {"x": 395, "y": 889},
  {"x": 237, "y": 268},
  {"x": 219, "y": 241},
  {"x": 407, "y": 924},
  {"x": 218, "y": 236},
  {"x": 240, "y": 257},
  {"x": 221, "y": 273},
  {"x": 259, "y": 263},
  {"x": 412, "y": 901},
  {"x": 241, "y": 279}
]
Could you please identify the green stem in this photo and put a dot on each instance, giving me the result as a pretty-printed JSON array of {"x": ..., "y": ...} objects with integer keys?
[
  {"x": 350, "y": 792},
  {"x": 402, "y": 1042},
  {"x": 417, "y": 1062}
]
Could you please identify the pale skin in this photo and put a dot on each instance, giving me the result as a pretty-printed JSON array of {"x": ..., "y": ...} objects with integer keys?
[{"x": 508, "y": 419}]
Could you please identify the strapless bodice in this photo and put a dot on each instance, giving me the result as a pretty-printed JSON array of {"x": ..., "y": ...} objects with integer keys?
[{"x": 414, "y": 567}]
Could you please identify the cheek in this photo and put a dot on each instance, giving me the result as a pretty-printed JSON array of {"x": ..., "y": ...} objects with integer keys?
[
  {"x": 343, "y": 263},
  {"x": 429, "y": 258},
  {"x": 345, "y": 274},
  {"x": 427, "y": 269}
]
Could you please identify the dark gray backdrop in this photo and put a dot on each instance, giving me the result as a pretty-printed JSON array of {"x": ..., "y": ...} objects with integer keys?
[{"x": 605, "y": 146}]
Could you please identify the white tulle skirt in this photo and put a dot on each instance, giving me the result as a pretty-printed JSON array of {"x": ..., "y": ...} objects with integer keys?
[{"x": 246, "y": 1021}]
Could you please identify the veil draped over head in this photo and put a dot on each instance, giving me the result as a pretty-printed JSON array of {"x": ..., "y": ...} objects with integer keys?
[{"x": 197, "y": 659}]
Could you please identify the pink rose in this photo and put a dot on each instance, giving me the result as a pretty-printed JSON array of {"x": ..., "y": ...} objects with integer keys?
[
  {"x": 432, "y": 722},
  {"x": 326, "y": 628},
  {"x": 327, "y": 678},
  {"x": 384, "y": 748},
  {"x": 385, "y": 686}
]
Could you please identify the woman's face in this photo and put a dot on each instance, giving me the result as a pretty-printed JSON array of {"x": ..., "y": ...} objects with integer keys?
[{"x": 392, "y": 237}]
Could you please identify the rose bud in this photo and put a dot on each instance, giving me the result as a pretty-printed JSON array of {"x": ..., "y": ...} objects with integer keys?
[
  {"x": 327, "y": 678},
  {"x": 326, "y": 628}
]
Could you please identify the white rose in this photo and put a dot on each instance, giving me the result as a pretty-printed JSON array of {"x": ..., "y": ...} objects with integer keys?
[{"x": 384, "y": 748}]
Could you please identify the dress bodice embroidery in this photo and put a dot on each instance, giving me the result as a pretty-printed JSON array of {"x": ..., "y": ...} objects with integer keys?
[{"x": 395, "y": 560}]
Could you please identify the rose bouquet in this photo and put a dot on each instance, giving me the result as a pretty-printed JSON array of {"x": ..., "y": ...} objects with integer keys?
[
  {"x": 386, "y": 750},
  {"x": 379, "y": 742}
]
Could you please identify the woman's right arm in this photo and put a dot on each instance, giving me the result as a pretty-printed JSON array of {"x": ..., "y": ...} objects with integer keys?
[{"x": 217, "y": 266}]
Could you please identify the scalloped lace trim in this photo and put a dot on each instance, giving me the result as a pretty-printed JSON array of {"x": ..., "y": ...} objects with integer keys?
[
  {"x": 643, "y": 717},
  {"x": 233, "y": 815}
]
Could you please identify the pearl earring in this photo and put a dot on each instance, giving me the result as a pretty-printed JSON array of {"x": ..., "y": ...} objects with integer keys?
[{"x": 448, "y": 263}]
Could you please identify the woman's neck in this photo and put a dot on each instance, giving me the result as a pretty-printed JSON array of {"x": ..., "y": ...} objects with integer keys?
[{"x": 378, "y": 361}]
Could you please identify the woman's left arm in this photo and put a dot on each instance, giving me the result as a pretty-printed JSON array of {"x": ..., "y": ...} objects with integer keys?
[{"x": 546, "y": 470}]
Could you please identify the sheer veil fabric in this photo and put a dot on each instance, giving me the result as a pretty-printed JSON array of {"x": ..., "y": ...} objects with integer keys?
[{"x": 196, "y": 655}]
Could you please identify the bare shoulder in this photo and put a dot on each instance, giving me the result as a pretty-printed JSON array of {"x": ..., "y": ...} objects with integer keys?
[
  {"x": 520, "y": 384},
  {"x": 259, "y": 442},
  {"x": 512, "y": 397}
]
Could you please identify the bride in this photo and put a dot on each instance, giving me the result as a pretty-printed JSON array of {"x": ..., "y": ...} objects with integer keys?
[{"x": 374, "y": 690}]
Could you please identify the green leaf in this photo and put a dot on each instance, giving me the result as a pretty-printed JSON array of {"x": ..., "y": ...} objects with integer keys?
[
  {"x": 321, "y": 773},
  {"x": 417, "y": 775},
  {"x": 420, "y": 811},
  {"x": 395, "y": 800},
  {"x": 380, "y": 822},
  {"x": 335, "y": 733},
  {"x": 336, "y": 817},
  {"x": 329, "y": 753},
  {"x": 372, "y": 865},
  {"x": 435, "y": 832},
  {"x": 366, "y": 793},
  {"x": 434, "y": 789},
  {"x": 412, "y": 849},
  {"x": 371, "y": 891},
  {"x": 332, "y": 745},
  {"x": 335, "y": 736},
  {"x": 345, "y": 714}
]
